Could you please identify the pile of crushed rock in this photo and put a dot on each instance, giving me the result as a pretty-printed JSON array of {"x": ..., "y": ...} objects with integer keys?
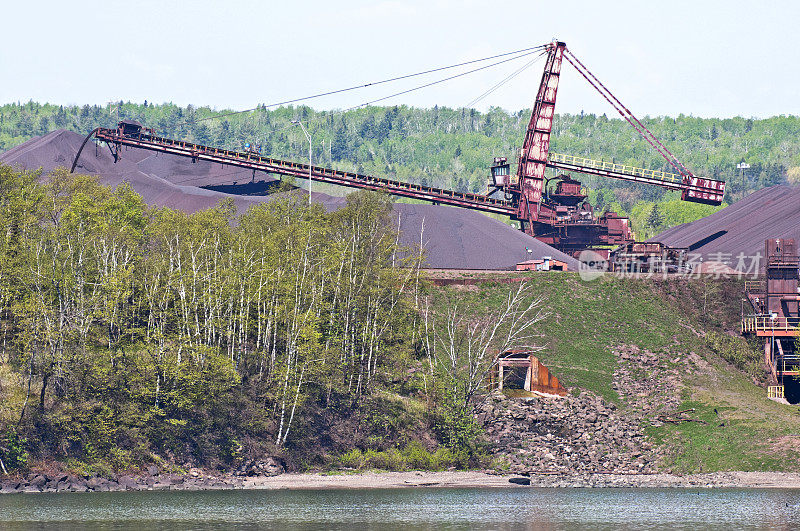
[{"x": 570, "y": 435}]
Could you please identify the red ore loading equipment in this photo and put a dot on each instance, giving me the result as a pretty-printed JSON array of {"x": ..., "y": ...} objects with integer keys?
[
  {"x": 561, "y": 218},
  {"x": 775, "y": 299}
]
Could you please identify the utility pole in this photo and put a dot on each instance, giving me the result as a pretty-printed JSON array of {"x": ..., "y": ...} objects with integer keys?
[{"x": 116, "y": 106}]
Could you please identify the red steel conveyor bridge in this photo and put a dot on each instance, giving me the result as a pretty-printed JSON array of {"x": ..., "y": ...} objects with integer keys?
[{"x": 562, "y": 219}]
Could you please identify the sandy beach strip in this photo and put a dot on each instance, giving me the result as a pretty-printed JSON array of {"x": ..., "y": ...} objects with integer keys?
[{"x": 474, "y": 479}]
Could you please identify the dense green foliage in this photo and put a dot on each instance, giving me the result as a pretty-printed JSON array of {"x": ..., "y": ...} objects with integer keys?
[
  {"x": 130, "y": 332},
  {"x": 13, "y": 455},
  {"x": 653, "y": 217},
  {"x": 132, "y": 335},
  {"x": 452, "y": 148}
]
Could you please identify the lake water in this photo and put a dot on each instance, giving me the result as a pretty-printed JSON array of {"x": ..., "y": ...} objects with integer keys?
[{"x": 523, "y": 508}]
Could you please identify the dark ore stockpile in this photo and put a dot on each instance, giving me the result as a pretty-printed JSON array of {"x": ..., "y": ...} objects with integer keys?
[
  {"x": 742, "y": 227},
  {"x": 453, "y": 238}
]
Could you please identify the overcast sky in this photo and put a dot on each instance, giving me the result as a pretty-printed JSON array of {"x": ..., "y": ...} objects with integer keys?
[{"x": 701, "y": 57}]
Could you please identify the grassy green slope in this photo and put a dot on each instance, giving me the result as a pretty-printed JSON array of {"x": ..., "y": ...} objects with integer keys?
[{"x": 674, "y": 318}]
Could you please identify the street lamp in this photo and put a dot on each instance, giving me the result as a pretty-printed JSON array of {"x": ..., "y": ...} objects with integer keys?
[
  {"x": 308, "y": 137},
  {"x": 742, "y": 166}
]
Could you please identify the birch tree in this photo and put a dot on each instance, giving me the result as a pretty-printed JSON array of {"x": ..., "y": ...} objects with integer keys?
[{"x": 463, "y": 342}]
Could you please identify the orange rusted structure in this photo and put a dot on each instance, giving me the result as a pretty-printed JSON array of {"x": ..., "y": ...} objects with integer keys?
[
  {"x": 559, "y": 216},
  {"x": 522, "y": 372}
]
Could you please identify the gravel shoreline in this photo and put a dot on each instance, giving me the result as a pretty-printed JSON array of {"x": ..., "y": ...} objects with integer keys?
[{"x": 38, "y": 483}]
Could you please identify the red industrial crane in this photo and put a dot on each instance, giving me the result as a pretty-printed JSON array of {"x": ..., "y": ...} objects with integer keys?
[{"x": 561, "y": 218}]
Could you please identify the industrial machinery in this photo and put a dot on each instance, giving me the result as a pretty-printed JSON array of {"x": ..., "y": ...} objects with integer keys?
[
  {"x": 775, "y": 300},
  {"x": 561, "y": 217},
  {"x": 649, "y": 257}
]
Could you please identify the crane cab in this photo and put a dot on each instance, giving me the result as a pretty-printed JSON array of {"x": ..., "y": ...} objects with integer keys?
[
  {"x": 132, "y": 128},
  {"x": 500, "y": 172}
]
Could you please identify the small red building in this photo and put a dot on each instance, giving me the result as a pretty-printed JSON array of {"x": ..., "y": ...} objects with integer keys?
[{"x": 545, "y": 263}]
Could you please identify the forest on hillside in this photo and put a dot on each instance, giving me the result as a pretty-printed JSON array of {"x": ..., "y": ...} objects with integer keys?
[
  {"x": 130, "y": 334},
  {"x": 452, "y": 148}
]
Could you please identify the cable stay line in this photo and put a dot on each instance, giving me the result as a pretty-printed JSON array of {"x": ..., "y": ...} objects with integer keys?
[
  {"x": 505, "y": 80},
  {"x": 517, "y": 53}
]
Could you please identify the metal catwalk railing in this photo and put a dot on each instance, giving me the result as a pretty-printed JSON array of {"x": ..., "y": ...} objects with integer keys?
[
  {"x": 624, "y": 169},
  {"x": 766, "y": 324},
  {"x": 695, "y": 189},
  {"x": 258, "y": 162}
]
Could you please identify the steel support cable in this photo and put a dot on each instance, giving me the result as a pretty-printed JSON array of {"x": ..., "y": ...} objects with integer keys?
[
  {"x": 426, "y": 85},
  {"x": 527, "y": 52},
  {"x": 506, "y": 80},
  {"x": 357, "y": 87},
  {"x": 628, "y": 117},
  {"x": 325, "y": 114},
  {"x": 627, "y": 114},
  {"x": 674, "y": 158},
  {"x": 333, "y": 113}
]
